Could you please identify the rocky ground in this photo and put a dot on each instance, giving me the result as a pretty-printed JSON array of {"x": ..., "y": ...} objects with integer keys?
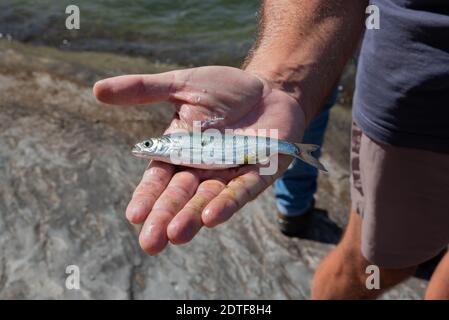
[{"x": 66, "y": 175}]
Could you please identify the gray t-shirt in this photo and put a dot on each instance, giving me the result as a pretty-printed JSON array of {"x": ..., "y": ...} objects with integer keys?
[{"x": 402, "y": 86}]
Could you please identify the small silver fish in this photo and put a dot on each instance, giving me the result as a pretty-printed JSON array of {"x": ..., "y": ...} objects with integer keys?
[{"x": 221, "y": 151}]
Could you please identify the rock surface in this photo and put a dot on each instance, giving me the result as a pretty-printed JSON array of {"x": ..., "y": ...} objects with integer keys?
[{"x": 66, "y": 175}]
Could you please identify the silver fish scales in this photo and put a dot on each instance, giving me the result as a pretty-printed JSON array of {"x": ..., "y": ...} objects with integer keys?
[{"x": 215, "y": 151}]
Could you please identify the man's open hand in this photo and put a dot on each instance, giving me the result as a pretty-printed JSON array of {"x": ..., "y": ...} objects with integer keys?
[{"x": 175, "y": 202}]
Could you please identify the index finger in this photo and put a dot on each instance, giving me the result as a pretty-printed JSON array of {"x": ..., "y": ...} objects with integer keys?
[{"x": 153, "y": 183}]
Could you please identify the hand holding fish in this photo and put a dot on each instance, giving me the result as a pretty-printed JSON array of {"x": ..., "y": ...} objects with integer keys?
[{"x": 175, "y": 202}]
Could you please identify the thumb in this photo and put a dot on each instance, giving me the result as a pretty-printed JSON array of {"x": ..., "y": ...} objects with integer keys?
[{"x": 137, "y": 89}]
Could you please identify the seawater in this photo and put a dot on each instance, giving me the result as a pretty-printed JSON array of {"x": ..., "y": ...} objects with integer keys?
[{"x": 187, "y": 32}]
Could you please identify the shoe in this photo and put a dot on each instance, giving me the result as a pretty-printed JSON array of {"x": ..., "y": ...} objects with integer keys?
[{"x": 315, "y": 225}]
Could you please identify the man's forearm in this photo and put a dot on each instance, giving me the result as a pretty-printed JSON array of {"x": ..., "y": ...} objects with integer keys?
[{"x": 303, "y": 46}]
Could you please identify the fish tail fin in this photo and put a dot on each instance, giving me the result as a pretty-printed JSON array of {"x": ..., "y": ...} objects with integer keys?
[{"x": 304, "y": 153}]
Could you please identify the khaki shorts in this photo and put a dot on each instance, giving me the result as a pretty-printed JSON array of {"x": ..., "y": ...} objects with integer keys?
[{"x": 402, "y": 195}]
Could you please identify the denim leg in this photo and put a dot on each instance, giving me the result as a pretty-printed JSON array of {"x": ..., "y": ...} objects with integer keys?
[{"x": 296, "y": 188}]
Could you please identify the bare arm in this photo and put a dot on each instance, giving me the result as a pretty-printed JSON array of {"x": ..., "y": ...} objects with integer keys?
[{"x": 303, "y": 46}]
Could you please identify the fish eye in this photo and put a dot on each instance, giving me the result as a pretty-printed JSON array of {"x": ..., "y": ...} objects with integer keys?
[{"x": 147, "y": 143}]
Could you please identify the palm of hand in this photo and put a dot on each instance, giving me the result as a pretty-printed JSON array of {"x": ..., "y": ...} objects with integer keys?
[{"x": 173, "y": 202}]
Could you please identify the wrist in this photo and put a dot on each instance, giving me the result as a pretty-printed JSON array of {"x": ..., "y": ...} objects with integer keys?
[{"x": 289, "y": 79}]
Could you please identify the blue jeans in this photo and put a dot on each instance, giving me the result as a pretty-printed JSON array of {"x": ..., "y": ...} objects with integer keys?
[{"x": 296, "y": 188}]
